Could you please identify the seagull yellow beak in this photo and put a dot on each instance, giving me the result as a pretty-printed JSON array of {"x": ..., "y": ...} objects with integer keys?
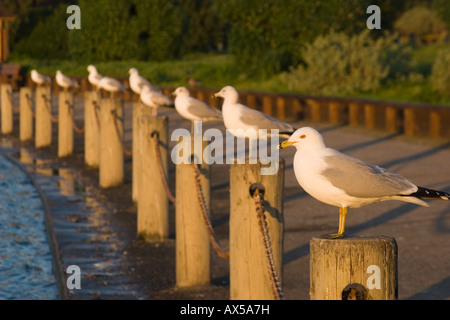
[
  {"x": 217, "y": 94},
  {"x": 286, "y": 144}
]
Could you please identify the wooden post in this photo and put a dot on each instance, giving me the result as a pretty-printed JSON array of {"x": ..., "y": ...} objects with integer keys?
[
  {"x": 111, "y": 171},
  {"x": 92, "y": 129},
  {"x": 435, "y": 124},
  {"x": 409, "y": 125},
  {"x": 369, "y": 116},
  {"x": 26, "y": 115},
  {"x": 267, "y": 105},
  {"x": 6, "y": 109},
  {"x": 281, "y": 108},
  {"x": 335, "y": 110},
  {"x": 366, "y": 264},
  {"x": 249, "y": 276},
  {"x": 139, "y": 109},
  {"x": 353, "y": 114},
  {"x": 192, "y": 240},
  {"x": 65, "y": 128},
  {"x": 315, "y": 110},
  {"x": 392, "y": 119},
  {"x": 152, "y": 200},
  {"x": 43, "y": 126}
]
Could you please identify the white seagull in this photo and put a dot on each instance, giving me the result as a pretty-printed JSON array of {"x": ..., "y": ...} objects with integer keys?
[
  {"x": 238, "y": 117},
  {"x": 137, "y": 82},
  {"x": 64, "y": 81},
  {"x": 111, "y": 85},
  {"x": 154, "y": 99},
  {"x": 40, "y": 79},
  {"x": 346, "y": 182},
  {"x": 94, "y": 77},
  {"x": 194, "y": 109}
]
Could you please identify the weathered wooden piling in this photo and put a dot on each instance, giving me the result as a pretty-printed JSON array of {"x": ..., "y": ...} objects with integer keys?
[
  {"x": 152, "y": 199},
  {"x": 139, "y": 109},
  {"x": 6, "y": 109},
  {"x": 249, "y": 275},
  {"x": 65, "y": 128},
  {"x": 91, "y": 129},
  {"x": 192, "y": 240},
  {"x": 111, "y": 158},
  {"x": 355, "y": 267},
  {"x": 43, "y": 119},
  {"x": 26, "y": 115}
]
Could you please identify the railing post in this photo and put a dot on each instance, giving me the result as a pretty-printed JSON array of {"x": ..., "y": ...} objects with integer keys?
[
  {"x": 409, "y": 124},
  {"x": 369, "y": 116},
  {"x": 193, "y": 256},
  {"x": 6, "y": 109},
  {"x": 111, "y": 171},
  {"x": 353, "y": 114},
  {"x": 435, "y": 124},
  {"x": 26, "y": 115},
  {"x": 92, "y": 129},
  {"x": 249, "y": 276},
  {"x": 152, "y": 199},
  {"x": 139, "y": 109},
  {"x": 43, "y": 126},
  {"x": 392, "y": 116},
  {"x": 65, "y": 128},
  {"x": 353, "y": 268}
]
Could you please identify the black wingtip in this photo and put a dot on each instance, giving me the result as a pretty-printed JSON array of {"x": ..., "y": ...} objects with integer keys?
[{"x": 425, "y": 193}]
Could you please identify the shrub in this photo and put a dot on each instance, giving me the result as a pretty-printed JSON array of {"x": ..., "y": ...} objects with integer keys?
[
  {"x": 339, "y": 64},
  {"x": 440, "y": 73},
  {"x": 419, "y": 21}
]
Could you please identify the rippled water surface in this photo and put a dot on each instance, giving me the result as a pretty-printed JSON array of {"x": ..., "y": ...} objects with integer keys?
[{"x": 25, "y": 257}]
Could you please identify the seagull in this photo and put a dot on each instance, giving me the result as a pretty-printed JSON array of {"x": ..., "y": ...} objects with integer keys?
[
  {"x": 194, "y": 109},
  {"x": 40, "y": 79},
  {"x": 94, "y": 77},
  {"x": 137, "y": 82},
  {"x": 111, "y": 85},
  {"x": 154, "y": 99},
  {"x": 346, "y": 182},
  {"x": 237, "y": 116},
  {"x": 65, "y": 82}
]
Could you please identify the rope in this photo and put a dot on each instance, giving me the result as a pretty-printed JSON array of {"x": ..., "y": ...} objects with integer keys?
[
  {"x": 74, "y": 125},
  {"x": 155, "y": 136},
  {"x": 125, "y": 150},
  {"x": 201, "y": 199},
  {"x": 276, "y": 286},
  {"x": 46, "y": 103}
]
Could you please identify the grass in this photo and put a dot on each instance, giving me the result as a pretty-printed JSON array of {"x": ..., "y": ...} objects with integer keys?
[{"x": 218, "y": 70}]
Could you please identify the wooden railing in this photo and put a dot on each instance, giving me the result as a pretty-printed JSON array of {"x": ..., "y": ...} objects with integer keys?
[{"x": 409, "y": 118}]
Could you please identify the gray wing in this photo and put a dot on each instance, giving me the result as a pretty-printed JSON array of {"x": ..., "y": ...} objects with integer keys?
[
  {"x": 202, "y": 110},
  {"x": 263, "y": 121},
  {"x": 160, "y": 99},
  {"x": 363, "y": 180}
]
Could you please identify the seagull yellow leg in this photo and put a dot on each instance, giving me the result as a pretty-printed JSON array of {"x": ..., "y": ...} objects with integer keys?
[{"x": 340, "y": 233}]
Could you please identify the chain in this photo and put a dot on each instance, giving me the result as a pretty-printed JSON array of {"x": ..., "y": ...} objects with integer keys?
[
  {"x": 212, "y": 236},
  {"x": 30, "y": 105},
  {"x": 155, "y": 136},
  {"x": 276, "y": 286},
  {"x": 47, "y": 106},
  {"x": 125, "y": 150},
  {"x": 74, "y": 125}
]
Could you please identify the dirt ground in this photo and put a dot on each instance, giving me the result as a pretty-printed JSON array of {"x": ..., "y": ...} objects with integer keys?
[{"x": 101, "y": 226}]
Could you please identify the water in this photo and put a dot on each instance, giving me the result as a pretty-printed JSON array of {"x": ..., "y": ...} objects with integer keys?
[{"x": 25, "y": 257}]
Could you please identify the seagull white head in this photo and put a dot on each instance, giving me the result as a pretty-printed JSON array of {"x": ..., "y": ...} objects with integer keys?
[
  {"x": 132, "y": 71},
  {"x": 91, "y": 68},
  {"x": 181, "y": 92},
  {"x": 304, "y": 138},
  {"x": 228, "y": 93}
]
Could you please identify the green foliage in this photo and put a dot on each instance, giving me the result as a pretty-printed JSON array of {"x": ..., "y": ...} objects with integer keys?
[
  {"x": 419, "y": 21},
  {"x": 47, "y": 40},
  {"x": 440, "y": 73},
  {"x": 337, "y": 64}
]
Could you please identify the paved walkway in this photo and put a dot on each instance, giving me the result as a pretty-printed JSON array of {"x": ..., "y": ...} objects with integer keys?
[{"x": 422, "y": 234}]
